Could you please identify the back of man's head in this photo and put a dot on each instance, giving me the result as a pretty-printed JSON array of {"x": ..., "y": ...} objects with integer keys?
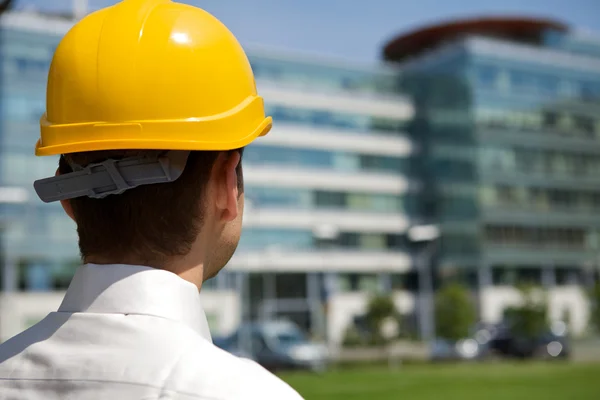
[
  {"x": 166, "y": 82},
  {"x": 150, "y": 223}
]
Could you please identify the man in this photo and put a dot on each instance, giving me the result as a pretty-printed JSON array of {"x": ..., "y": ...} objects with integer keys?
[{"x": 149, "y": 104}]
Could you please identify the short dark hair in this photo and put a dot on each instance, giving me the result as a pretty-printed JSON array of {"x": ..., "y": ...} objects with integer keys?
[{"x": 149, "y": 223}]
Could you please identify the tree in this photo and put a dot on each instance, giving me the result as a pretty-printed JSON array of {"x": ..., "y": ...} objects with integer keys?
[
  {"x": 455, "y": 313},
  {"x": 379, "y": 326},
  {"x": 381, "y": 309},
  {"x": 530, "y": 320}
]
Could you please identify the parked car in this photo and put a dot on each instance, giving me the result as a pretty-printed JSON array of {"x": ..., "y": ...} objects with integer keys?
[
  {"x": 498, "y": 340},
  {"x": 553, "y": 343},
  {"x": 276, "y": 345}
]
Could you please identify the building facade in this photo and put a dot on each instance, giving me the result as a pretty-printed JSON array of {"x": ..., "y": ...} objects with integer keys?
[
  {"x": 509, "y": 122},
  {"x": 488, "y": 129},
  {"x": 329, "y": 192}
]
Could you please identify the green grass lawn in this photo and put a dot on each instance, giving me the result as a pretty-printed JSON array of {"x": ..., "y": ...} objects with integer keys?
[{"x": 527, "y": 381}]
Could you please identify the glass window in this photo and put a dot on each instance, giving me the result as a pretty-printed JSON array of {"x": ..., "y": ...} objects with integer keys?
[
  {"x": 456, "y": 170},
  {"x": 459, "y": 244},
  {"x": 306, "y": 74},
  {"x": 546, "y": 122},
  {"x": 337, "y": 120},
  {"x": 371, "y": 241},
  {"x": 260, "y": 196},
  {"x": 331, "y": 199},
  {"x": 42, "y": 275},
  {"x": 487, "y": 76},
  {"x": 540, "y": 237},
  {"x": 458, "y": 208},
  {"x": 339, "y": 161},
  {"x": 590, "y": 91},
  {"x": 266, "y": 239},
  {"x": 547, "y": 162},
  {"x": 542, "y": 199},
  {"x": 279, "y": 197},
  {"x": 282, "y": 239},
  {"x": 521, "y": 80},
  {"x": 584, "y": 124},
  {"x": 548, "y": 85}
]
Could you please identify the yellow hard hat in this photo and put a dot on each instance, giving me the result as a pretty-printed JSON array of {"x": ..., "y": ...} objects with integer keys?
[{"x": 150, "y": 74}]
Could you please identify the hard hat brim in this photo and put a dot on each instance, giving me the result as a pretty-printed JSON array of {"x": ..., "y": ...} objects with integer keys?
[{"x": 223, "y": 132}]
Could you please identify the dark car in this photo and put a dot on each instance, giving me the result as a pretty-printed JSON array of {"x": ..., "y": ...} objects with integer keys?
[
  {"x": 499, "y": 340},
  {"x": 552, "y": 343},
  {"x": 276, "y": 345}
]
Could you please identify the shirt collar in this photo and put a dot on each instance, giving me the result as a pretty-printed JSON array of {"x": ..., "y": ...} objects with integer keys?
[{"x": 128, "y": 289}]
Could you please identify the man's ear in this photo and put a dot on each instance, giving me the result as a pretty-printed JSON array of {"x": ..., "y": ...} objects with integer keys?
[
  {"x": 66, "y": 204},
  {"x": 225, "y": 176}
]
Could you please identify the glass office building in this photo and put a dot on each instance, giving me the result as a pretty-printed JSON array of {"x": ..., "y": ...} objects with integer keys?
[
  {"x": 496, "y": 141},
  {"x": 508, "y": 115},
  {"x": 328, "y": 193},
  {"x": 39, "y": 245}
]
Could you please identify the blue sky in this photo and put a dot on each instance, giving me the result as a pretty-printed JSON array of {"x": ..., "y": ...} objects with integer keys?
[{"x": 353, "y": 29}]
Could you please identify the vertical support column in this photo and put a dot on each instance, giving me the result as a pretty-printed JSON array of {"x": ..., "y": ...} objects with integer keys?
[
  {"x": 548, "y": 277},
  {"x": 573, "y": 279},
  {"x": 484, "y": 282},
  {"x": 313, "y": 289},
  {"x": 426, "y": 310},
  {"x": 9, "y": 274},
  {"x": 385, "y": 282},
  {"x": 243, "y": 288},
  {"x": 39, "y": 277},
  {"x": 269, "y": 296},
  {"x": 221, "y": 279},
  {"x": 331, "y": 288}
]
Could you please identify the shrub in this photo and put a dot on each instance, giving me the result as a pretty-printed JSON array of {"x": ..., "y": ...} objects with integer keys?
[
  {"x": 455, "y": 313},
  {"x": 531, "y": 318}
]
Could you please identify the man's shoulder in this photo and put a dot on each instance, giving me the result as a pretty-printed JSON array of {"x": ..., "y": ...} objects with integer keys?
[{"x": 220, "y": 374}]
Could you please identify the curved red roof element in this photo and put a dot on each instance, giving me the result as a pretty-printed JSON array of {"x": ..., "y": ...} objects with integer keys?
[{"x": 520, "y": 29}]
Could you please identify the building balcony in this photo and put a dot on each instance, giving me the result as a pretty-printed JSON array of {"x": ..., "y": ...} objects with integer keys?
[
  {"x": 342, "y": 220},
  {"x": 320, "y": 138},
  {"x": 293, "y": 177},
  {"x": 374, "y": 105},
  {"x": 543, "y": 256},
  {"x": 580, "y": 216},
  {"x": 539, "y": 139},
  {"x": 538, "y": 179},
  {"x": 335, "y": 260}
]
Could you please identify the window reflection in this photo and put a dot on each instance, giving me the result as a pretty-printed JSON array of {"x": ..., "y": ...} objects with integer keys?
[
  {"x": 538, "y": 237},
  {"x": 534, "y": 82},
  {"x": 551, "y": 122},
  {"x": 260, "y": 239},
  {"x": 338, "y": 120},
  {"x": 340, "y": 161},
  {"x": 539, "y": 161},
  {"x": 336, "y": 78},
  {"x": 321, "y": 199},
  {"x": 540, "y": 199}
]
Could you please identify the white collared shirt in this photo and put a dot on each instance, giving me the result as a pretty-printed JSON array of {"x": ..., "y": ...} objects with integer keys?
[{"x": 126, "y": 332}]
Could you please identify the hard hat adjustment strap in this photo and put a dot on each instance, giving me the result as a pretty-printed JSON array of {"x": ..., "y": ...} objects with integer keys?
[{"x": 111, "y": 176}]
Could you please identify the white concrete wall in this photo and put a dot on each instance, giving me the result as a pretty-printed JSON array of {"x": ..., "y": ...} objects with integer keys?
[
  {"x": 343, "y": 307},
  {"x": 223, "y": 310},
  {"x": 572, "y": 298},
  {"x": 18, "y": 311}
]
